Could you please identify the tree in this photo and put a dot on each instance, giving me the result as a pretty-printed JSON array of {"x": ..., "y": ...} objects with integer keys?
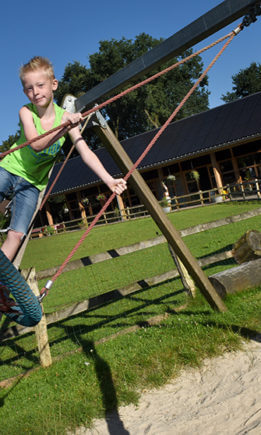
[
  {"x": 6, "y": 144},
  {"x": 147, "y": 107},
  {"x": 246, "y": 82}
]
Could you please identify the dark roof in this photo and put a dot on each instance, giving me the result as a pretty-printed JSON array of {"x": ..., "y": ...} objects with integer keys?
[{"x": 211, "y": 130}]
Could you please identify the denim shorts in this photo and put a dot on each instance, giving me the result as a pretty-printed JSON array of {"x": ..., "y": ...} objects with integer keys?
[{"x": 24, "y": 199}]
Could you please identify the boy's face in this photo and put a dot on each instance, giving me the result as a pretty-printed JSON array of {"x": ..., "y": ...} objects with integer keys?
[{"x": 39, "y": 87}]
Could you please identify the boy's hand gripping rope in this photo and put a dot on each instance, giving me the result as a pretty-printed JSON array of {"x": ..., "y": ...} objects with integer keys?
[{"x": 49, "y": 283}]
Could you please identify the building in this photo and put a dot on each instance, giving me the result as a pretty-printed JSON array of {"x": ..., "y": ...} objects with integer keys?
[{"x": 222, "y": 144}]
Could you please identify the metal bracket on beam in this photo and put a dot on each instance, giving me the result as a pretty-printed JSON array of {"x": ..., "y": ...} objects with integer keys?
[
  {"x": 251, "y": 16},
  {"x": 68, "y": 103},
  {"x": 98, "y": 119}
]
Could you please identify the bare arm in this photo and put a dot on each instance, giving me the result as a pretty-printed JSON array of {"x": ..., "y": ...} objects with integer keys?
[
  {"x": 117, "y": 185},
  {"x": 31, "y": 132}
]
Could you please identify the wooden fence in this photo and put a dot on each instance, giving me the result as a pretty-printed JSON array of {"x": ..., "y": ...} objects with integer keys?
[
  {"x": 111, "y": 296},
  {"x": 233, "y": 192}
]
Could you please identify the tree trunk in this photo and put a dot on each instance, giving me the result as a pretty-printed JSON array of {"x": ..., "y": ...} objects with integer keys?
[
  {"x": 243, "y": 277},
  {"x": 248, "y": 247}
]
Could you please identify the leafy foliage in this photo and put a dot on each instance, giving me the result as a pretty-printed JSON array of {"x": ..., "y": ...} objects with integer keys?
[
  {"x": 147, "y": 107},
  {"x": 6, "y": 144},
  {"x": 246, "y": 82}
]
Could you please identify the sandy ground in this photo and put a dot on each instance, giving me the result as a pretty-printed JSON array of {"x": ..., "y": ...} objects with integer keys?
[{"x": 222, "y": 397}]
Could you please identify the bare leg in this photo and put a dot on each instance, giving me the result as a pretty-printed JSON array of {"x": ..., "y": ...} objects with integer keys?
[{"x": 11, "y": 244}]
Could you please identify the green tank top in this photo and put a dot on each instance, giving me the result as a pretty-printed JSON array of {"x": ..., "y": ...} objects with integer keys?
[{"x": 31, "y": 165}]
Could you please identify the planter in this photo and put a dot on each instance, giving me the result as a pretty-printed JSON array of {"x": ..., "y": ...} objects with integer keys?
[
  {"x": 167, "y": 209},
  {"x": 218, "y": 198}
]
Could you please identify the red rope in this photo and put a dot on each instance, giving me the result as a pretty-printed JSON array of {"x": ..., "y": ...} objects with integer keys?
[
  {"x": 135, "y": 165},
  {"x": 64, "y": 128},
  {"x": 67, "y": 125},
  {"x": 164, "y": 71},
  {"x": 57, "y": 176}
]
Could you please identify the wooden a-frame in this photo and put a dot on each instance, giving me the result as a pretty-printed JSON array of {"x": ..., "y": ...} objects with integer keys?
[
  {"x": 146, "y": 196},
  {"x": 215, "y": 19}
]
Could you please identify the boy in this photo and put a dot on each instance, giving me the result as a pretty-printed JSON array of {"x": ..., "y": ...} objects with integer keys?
[{"x": 25, "y": 171}]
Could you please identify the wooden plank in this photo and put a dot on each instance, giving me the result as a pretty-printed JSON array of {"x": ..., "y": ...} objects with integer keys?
[
  {"x": 209, "y": 23},
  {"x": 124, "y": 250},
  {"x": 110, "y": 297},
  {"x": 239, "y": 278},
  {"x": 248, "y": 247},
  {"x": 186, "y": 279},
  {"x": 168, "y": 230},
  {"x": 41, "y": 332}
]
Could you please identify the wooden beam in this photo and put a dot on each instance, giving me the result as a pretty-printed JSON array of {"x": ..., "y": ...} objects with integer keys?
[
  {"x": 40, "y": 329},
  {"x": 239, "y": 278},
  {"x": 148, "y": 199},
  {"x": 209, "y": 23}
]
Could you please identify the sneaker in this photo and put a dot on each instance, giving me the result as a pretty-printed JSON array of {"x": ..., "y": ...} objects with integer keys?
[{"x": 7, "y": 304}]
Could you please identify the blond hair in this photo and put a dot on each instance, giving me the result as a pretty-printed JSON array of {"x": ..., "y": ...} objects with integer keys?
[{"x": 36, "y": 63}]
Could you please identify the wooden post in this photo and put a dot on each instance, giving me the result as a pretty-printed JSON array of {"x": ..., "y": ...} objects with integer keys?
[
  {"x": 49, "y": 214},
  {"x": 248, "y": 247},
  {"x": 152, "y": 205},
  {"x": 82, "y": 209},
  {"x": 186, "y": 279},
  {"x": 201, "y": 198},
  {"x": 235, "y": 166},
  {"x": 176, "y": 202},
  {"x": 239, "y": 278},
  {"x": 229, "y": 192},
  {"x": 257, "y": 189},
  {"x": 242, "y": 190},
  {"x": 217, "y": 172},
  {"x": 121, "y": 208},
  {"x": 40, "y": 329}
]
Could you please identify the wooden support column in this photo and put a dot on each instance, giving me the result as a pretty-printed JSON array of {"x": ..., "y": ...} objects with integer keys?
[
  {"x": 121, "y": 208},
  {"x": 235, "y": 167},
  {"x": 183, "y": 178},
  {"x": 148, "y": 199},
  {"x": 217, "y": 172},
  {"x": 48, "y": 214},
  {"x": 82, "y": 209}
]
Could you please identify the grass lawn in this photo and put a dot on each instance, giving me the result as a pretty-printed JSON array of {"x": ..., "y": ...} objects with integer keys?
[
  {"x": 50, "y": 251},
  {"x": 89, "y": 379}
]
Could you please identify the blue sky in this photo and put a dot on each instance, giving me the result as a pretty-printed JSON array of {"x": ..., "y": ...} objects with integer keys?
[{"x": 65, "y": 32}]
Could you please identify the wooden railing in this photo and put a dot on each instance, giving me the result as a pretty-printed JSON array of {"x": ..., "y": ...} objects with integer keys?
[
  {"x": 233, "y": 192},
  {"x": 112, "y": 295}
]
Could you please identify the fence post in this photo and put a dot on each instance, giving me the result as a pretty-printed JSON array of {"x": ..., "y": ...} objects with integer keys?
[
  {"x": 41, "y": 333},
  {"x": 257, "y": 188},
  {"x": 121, "y": 208},
  {"x": 242, "y": 190},
  {"x": 201, "y": 197},
  {"x": 176, "y": 202}
]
